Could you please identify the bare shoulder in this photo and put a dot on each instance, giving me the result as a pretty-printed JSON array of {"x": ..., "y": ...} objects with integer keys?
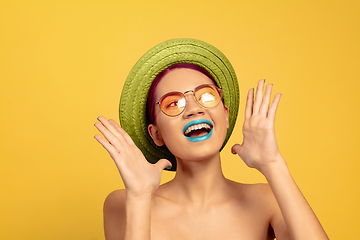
[
  {"x": 262, "y": 198},
  {"x": 254, "y": 192},
  {"x": 114, "y": 205},
  {"x": 261, "y": 202},
  {"x": 257, "y": 197},
  {"x": 258, "y": 190},
  {"x": 115, "y": 199},
  {"x": 114, "y": 215},
  {"x": 263, "y": 188}
]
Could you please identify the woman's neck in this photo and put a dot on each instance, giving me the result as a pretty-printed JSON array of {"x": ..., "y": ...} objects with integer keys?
[{"x": 199, "y": 182}]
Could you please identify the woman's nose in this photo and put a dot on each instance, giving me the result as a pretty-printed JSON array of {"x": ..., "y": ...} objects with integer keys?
[{"x": 192, "y": 107}]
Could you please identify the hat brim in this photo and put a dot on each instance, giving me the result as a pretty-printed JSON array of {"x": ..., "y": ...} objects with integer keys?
[{"x": 132, "y": 109}]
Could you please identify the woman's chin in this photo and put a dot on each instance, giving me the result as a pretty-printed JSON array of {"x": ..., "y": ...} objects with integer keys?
[{"x": 200, "y": 154}]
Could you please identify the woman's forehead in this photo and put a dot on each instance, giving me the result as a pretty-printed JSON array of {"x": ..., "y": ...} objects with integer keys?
[{"x": 182, "y": 79}]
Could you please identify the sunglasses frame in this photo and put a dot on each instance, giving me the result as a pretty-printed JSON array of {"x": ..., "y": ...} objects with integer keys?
[{"x": 193, "y": 91}]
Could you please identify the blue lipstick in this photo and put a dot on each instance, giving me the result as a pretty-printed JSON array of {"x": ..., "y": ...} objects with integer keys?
[{"x": 201, "y": 138}]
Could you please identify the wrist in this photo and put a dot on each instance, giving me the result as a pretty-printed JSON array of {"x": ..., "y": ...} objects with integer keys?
[
  {"x": 139, "y": 197},
  {"x": 277, "y": 166}
]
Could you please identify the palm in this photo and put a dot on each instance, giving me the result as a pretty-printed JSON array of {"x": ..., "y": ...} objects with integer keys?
[
  {"x": 139, "y": 176},
  {"x": 259, "y": 147}
]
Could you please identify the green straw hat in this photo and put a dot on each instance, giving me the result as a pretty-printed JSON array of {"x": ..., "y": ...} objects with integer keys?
[{"x": 132, "y": 110}]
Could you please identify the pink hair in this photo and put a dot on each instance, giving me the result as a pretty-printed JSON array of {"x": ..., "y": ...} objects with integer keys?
[{"x": 151, "y": 99}]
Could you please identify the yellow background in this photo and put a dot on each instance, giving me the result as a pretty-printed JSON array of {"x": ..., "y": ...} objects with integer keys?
[{"x": 63, "y": 63}]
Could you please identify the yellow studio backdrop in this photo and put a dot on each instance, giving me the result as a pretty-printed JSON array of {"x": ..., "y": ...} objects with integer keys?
[{"x": 63, "y": 63}]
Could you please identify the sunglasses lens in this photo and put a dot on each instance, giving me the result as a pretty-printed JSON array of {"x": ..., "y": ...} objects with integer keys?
[
  {"x": 173, "y": 103},
  {"x": 208, "y": 95}
]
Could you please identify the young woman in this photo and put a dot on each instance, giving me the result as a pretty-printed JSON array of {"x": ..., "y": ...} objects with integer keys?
[{"x": 189, "y": 117}]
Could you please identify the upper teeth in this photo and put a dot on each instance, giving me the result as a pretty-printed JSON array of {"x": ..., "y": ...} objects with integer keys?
[{"x": 196, "y": 127}]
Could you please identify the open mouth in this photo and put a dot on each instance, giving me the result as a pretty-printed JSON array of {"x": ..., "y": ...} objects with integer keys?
[{"x": 198, "y": 130}]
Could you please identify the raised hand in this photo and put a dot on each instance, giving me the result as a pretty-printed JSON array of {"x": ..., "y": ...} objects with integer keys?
[
  {"x": 259, "y": 148},
  {"x": 139, "y": 176}
]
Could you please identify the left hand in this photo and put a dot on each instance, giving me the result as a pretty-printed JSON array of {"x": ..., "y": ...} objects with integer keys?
[
  {"x": 259, "y": 148},
  {"x": 140, "y": 177}
]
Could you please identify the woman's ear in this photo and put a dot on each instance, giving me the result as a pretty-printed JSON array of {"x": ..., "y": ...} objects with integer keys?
[
  {"x": 227, "y": 116},
  {"x": 155, "y": 135}
]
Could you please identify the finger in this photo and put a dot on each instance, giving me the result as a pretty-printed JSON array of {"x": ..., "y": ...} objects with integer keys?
[
  {"x": 110, "y": 148},
  {"x": 111, "y": 129},
  {"x": 274, "y": 106},
  {"x": 249, "y": 103},
  {"x": 109, "y": 136},
  {"x": 264, "y": 108},
  {"x": 122, "y": 132},
  {"x": 107, "y": 124},
  {"x": 258, "y": 96},
  {"x": 162, "y": 164}
]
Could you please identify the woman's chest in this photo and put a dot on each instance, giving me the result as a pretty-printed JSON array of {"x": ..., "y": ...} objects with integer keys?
[{"x": 221, "y": 222}]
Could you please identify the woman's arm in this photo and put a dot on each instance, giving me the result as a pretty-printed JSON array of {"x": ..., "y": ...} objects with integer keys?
[
  {"x": 140, "y": 178},
  {"x": 259, "y": 150},
  {"x": 115, "y": 215},
  {"x": 126, "y": 218},
  {"x": 300, "y": 220}
]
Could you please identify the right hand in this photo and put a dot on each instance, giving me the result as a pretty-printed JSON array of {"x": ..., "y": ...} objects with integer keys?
[
  {"x": 259, "y": 149},
  {"x": 139, "y": 176}
]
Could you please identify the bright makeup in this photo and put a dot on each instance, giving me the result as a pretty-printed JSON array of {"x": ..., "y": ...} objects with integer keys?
[{"x": 201, "y": 124}]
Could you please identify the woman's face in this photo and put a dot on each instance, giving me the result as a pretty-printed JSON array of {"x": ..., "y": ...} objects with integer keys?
[{"x": 178, "y": 133}]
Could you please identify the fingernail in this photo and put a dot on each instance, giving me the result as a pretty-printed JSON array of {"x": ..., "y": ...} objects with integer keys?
[
  {"x": 264, "y": 80},
  {"x": 168, "y": 167},
  {"x": 98, "y": 119}
]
